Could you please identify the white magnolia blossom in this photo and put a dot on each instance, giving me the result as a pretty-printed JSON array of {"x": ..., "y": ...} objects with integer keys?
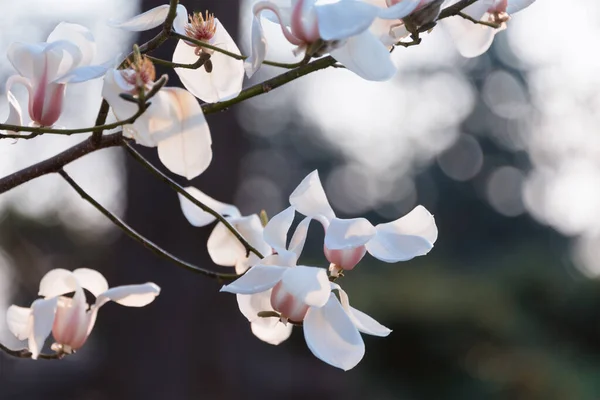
[
  {"x": 347, "y": 240},
  {"x": 46, "y": 68},
  {"x": 343, "y": 25},
  {"x": 223, "y": 247},
  {"x": 174, "y": 122},
  {"x": 222, "y": 78},
  {"x": 471, "y": 39},
  {"x": 71, "y": 319}
]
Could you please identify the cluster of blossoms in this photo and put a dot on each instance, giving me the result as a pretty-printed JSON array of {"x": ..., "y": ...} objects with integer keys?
[{"x": 273, "y": 291}]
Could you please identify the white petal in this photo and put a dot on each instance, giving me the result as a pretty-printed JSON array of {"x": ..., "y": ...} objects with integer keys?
[
  {"x": 196, "y": 216},
  {"x": 259, "y": 48},
  {"x": 418, "y": 222},
  {"x": 251, "y": 304},
  {"x": 14, "y": 110},
  {"x": 477, "y": 9},
  {"x": 23, "y": 57},
  {"x": 19, "y": 321},
  {"x": 299, "y": 238},
  {"x": 80, "y": 36},
  {"x": 145, "y": 21},
  {"x": 86, "y": 73},
  {"x": 518, "y": 5},
  {"x": 187, "y": 151},
  {"x": 110, "y": 91},
  {"x": 129, "y": 295},
  {"x": 471, "y": 40},
  {"x": 43, "y": 318},
  {"x": 274, "y": 335},
  {"x": 367, "y": 57},
  {"x": 181, "y": 19},
  {"x": 344, "y": 19},
  {"x": 57, "y": 282},
  {"x": 399, "y": 10},
  {"x": 348, "y": 233},
  {"x": 332, "y": 337},
  {"x": 225, "y": 80},
  {"x": 258, "y": 279},
  {"x": 91, "y": 280},
  {"x": 362, "y": 321},
  {"x": 307, "y": 284},
  {"x": 309, "y": 199},
  {"x": 277, "y": 228}
]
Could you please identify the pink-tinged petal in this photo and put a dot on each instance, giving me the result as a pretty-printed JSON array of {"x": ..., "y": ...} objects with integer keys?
[
  {"x": 259, "y": 48},
  {"x": 348, "y": 233},
  {"x": 518, "y": 5},
  {"x": 91, "y": 280},
  {"x": 418, "y": 222},
  {"x": 187, "y": 150},
  {"x": 367, "y": 57},
  {"x": 129, "y": 295},
  {"x": 332, "y": 337},
  {"x": 57, "y": 282},
  {"x": 225, "y": 80},
  {"x": 470, "y": 40},
  {"x": 71, "y": 322},
  {"x": 145, "y": 21},
  {"x": 345, "y": 259},
  {"x": 399, "y": 10},
  {"x": 196, "y": 216},
  {"x": 343, "y": 19},
  {"x": 274, "y": 335},
  {"x": 258, "y": 279},
  {"x": 251, "y": 304},
  {"x": 42, "y": 311},
  {"x": 19, "y": 320},
  {"x": 309, "y": 199},
  {"x": 276, "y": 231},
  {"x": 299, "y": 238},
  {"x": 362, "y": 321},
  {"x": 226, "y": 250},
  {"x": 310, "y": 285},
  {"x": 78, "y": 35}
]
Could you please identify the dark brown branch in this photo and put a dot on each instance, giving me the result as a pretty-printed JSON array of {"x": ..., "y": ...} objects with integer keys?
[{"x": 25, "y": 353}]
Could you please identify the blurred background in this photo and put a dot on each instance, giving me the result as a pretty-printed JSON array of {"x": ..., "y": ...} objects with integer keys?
[{"x": 503, "y": 149}]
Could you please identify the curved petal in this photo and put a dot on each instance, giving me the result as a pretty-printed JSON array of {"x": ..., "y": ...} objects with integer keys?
[
  {"x": 181, "y": 19},
  {"x": 225, "y": 80},
  {"x": 362, "y": 321},
  {"x": 367, "y": 57},
  {"x": 471, "y": 40},
  {"x": 518, "y": 5},
  {"x": 307, "y": 284},
  {"x": 276, "y": 230},
  {"x": 129, "y": 295},
  {"x": 80, "y": 36},
  {"x": 24, "y": 57},
  {"x": 259, "y": 48},
  {"x": 418, "y": 222},
  {"x": 42, "y": 311},
  {"x": 332, "y": 337},
  {"x": 124, "y": 109},
  {"x": 91, "y": 280},
  {"x": 251, "y": 304},
  {"x": 299, "y": 238},
  {"x": 187, "y": 151},
  {"x": 399, "y": 10},
  {"x": 309, "y": 199},
  {"x": 274, "y": 335},
  {"x": 343, "y": 19},
  {"x": 196, "y": 216},
  {"x": 15, "y": 114},
  {"x": 348, "y": 233},
  {"x": 258, "y": 279},
  {"x": 57, "y": 282},
  {"x": 86, "y": 73},
  {"x": 19, "y": 321},
  {"x": 145, "y": 21}
]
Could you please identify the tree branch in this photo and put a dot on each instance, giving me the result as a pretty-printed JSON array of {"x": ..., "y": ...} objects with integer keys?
[
  {"x": 136, "y": 236},
  {"x": 25, "y": 353}
]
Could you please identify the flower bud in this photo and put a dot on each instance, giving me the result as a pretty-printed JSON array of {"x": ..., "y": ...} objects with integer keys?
[
  {"x": 285, "y": 303},
  {"x": 345, "y": 259}
]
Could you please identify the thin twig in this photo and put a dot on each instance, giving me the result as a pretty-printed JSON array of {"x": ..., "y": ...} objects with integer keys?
[
  {"x": 25, "y": 353},
  {"x": 195, "y": 65},
  {"x": 179, "y": 189},
  {"x": 479, "y": 22},
  {"x": 135, "y": 235}
]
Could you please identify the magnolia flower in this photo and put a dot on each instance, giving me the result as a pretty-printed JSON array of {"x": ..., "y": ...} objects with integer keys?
[
  {"x": 342, "y": 25},
  {"x": 223, "y": 247},
  {"x": 303, "y": 294},
  {"x": 347, "y": 240},
  {"x": 46, "y": 68},
  {"x": 71, "y": 319},
  {"x": 472, "y": 39},
  {"x": 221, "y": 76},
  {"x": 174, "y": 122}
]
